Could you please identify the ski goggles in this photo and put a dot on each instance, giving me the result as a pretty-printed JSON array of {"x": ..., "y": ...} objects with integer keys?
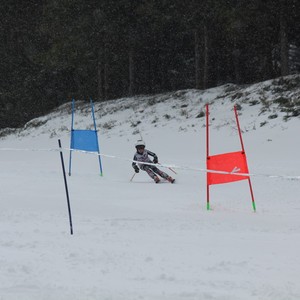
[{"x": 140, "y": 147}]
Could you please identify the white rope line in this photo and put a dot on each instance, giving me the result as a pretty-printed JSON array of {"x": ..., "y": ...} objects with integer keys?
[
  {"x": 29, "y": 149},
  {"x": 172, "y": 166}
]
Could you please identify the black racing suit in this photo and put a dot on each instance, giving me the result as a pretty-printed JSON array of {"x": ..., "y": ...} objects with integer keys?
[{"x": 150, "y": 169}]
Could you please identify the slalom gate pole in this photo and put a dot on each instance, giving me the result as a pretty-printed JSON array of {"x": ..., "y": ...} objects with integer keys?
[
  {"x": 207, "y": 155},
  {"x": 243, "y": 149},
  {"x": 239, "y": 128},
  {"x": 66, "y": 186},
  {"x": 252, "y": 196},
  {"x": 72, "y": 129},
  {"x": 94, "y": 120}
]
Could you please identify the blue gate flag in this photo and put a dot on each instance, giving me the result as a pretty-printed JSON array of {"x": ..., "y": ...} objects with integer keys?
[{"x": 84, "y": 139}]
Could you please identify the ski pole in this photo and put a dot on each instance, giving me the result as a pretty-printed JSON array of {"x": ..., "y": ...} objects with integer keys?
[
  {"x": 170, "y": 169},
  {"x": 132, "y": 176}
]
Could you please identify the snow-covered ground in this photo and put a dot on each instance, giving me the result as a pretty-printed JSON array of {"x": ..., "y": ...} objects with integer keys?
[{"x": 140, "y": 240}]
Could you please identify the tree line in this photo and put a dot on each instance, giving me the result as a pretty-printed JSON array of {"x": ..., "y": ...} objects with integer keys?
[{"x": 55, "y": 50}]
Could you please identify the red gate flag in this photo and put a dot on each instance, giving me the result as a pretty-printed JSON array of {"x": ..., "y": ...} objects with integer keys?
[
  {"x": 234, "y": 162},
  {"x": 226, "y": 165}
]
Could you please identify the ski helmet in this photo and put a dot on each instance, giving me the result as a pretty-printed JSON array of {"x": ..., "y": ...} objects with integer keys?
[{"x": 140, "y": 143}]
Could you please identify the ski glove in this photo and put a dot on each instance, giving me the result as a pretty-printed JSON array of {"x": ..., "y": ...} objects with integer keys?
[
  {"x": 155, "y": 160},
  {"x": 136, "y": 169}
]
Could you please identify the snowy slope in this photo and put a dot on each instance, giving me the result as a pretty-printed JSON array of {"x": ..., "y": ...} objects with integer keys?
[{"x": 140, "y": 240}]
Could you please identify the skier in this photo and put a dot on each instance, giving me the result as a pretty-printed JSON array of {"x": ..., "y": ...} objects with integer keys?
[{"x": 141, "y": 155}]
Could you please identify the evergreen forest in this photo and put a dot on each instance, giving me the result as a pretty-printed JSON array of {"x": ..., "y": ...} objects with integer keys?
[{"x": 55, "y": 50}]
